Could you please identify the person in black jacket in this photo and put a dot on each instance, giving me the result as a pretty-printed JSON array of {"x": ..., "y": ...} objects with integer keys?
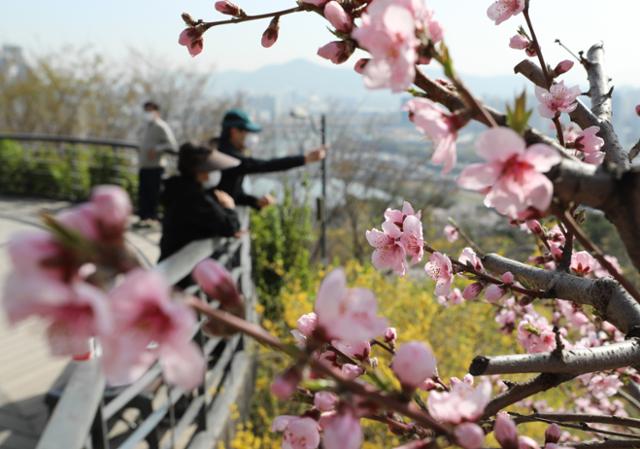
[
  {"x": 192, "y": 212},
  {"x": 238, "y": 133}
]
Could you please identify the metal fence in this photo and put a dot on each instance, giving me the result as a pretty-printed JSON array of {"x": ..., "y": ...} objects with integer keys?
[
  {"x": 64, "y": 167},
  {"x": 150, "y": 413}
]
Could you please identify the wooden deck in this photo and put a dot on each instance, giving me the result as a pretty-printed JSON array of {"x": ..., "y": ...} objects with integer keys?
[{"x": 26, "y": 369}]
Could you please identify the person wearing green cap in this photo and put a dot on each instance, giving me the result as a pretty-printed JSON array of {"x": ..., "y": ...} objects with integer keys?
[{"x": 239, "y": 134}]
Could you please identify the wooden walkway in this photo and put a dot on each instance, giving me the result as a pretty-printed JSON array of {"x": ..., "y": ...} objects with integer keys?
[{"x": 27, "y": 371}]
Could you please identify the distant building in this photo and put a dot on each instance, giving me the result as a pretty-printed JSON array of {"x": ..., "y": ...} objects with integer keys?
[{"x": 13, "y": 65}]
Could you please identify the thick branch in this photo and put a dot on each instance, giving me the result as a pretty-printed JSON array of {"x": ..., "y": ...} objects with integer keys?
[
  {"x": 575, "y": 361},
  {"x": 585, "y": 118},
  {"x": 518, "y": 392},
  {"x": 599, "y": 90},
  {"x": 610, "y": 300},
  {"x": 579, "y": 417},
  {"x": 608, "y": 444}
]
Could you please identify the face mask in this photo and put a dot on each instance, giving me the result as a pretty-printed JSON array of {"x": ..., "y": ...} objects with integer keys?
[
  {"x": 149, "y": 116},
  {"x": 214, "y": 179},
  {"x": 251, "y": 142}
]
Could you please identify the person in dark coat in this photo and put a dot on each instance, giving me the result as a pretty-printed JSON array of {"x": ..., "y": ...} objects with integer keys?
[
  {"x": 239, "y": 134},
  {"x": 191, "y": 211}
]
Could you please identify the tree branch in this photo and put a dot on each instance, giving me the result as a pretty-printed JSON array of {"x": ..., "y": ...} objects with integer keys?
[
  {"x": 607, "y": 444},
  {"x": 610, "y": 300},
  {"x": 579, "y": 417},
  {"x": 575, "y": 361},
  {"x": 518, "y": 392},
  {"x": 599, "y": 89}
]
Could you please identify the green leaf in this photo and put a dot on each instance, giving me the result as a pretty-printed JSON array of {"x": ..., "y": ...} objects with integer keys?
[
  {"x": 518, "y": 116},
  {"x": 446, "y": 61}
]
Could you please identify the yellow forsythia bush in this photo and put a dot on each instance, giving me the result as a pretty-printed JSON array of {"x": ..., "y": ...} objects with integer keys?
[{"x": 456, "y": 334}]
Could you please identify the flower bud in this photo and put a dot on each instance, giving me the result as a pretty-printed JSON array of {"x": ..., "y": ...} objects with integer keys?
[
  {"x": 472, "y": 291},
  {"x": 335, "y": 13},
  {"x": 505, "y": 431},
  {"x": 552, "y": 434},
  {"x": 360, "y": 65},
  {"x": 270, "y": 35},
  {"x": 217, "y": 282},
  {"x": 563, "y": 67},
  {"x": 638, "y": 109},
  {"x": 336, "y": 51},
  {"x": 391, "y": 335},
  {"x": 325, "y": 401},
  {"x": 413, "y": 363},
  {"x": 231, "y": 9},
  {"x": 507, "y": 277},
  {"x": 469, "y": 435},
  {"x": 285, "y": 385},
  {"x": 493, "y": 293}
]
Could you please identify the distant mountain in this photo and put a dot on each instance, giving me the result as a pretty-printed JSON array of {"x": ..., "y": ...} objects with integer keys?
[{"x": 307, "y": 78}]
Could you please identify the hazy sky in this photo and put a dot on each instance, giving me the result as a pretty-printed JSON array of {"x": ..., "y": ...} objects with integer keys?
[{"x": 478, "y": 46}]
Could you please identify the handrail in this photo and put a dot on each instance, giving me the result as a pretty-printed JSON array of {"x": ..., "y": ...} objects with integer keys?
[
  {"x": 81, "y": 405},
  {"x": 25, "y": 137}
]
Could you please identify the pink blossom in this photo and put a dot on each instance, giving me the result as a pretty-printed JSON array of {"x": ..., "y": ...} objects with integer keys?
[
  {"x": 360, "y": 350},
  {"x": 112, "y": 208},
  {"x": 325, "y": 401},
  {"x": 336, "y": 51},
  {"x": 604, "y": 386},
  {"x": 390, "y": 335},
  {"x": 389, "y": 253},
  {"x": 563, "y": 67},
  {"x": 472, "y": 291},
  {"x": 270, "y": 35},
  {"x": 585, "y": 141},
  {"x": 451, "y": 233},
  {"x": 413, "y": 363},
  {"x": 440, "y": 270},
  {"x": 557, "y": 99},
  {"x": 501, "y": 10},
  {"x": 469, "y": 435},
  {"x": 506, "y": 318},
  {"x": 192, "y": 39},
  {"x": 493, "y": 293},
  {"x": 582, "y": 263},
  {"x": 508, "y": 278},
  {"x": 461, "y": 403},
  {"x": 534, "y": 226},
  {"x": 469, "y": 257},
  {"x": 298, "y": 433},
  {"x": 351, "y": 371},
  {"x": 411, "y": 239},
  {"x": 535, "y": 334},
  {"x": 335, "y": 13},
  {"x": 81, "y": 219},
  {"x": 513, "y": 176},
  {"x": 285, "y": 385},
  {"x": 388, "y": 33},
  {"x": 601, "y": 272},
  {"x": 342, "y": 431},
  {"x": 144, "y": 313},
  {"x": 397, "y": 217},
  {"x": 519, "y": 42},
  {"x": 347, "y": 314},
  {"x": 455, "y": 297},
  {"x": 307, "y": 323},
  {"x": 505, "y": 431},
  {"x": 432, "y": 121},
  {"x": 229, "y": 8},
  {"x": 216, "y": 282},
  {"x": 37, "y": 253}
]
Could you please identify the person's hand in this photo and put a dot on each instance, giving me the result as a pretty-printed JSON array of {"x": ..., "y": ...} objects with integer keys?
[
  {"x": 315, "y": 155},
  {"x": 224, "y": 199},
  {"x": 265, "y": 201}
]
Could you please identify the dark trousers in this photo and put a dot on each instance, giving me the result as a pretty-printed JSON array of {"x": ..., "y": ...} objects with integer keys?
[{"x": 149, "y": 183}]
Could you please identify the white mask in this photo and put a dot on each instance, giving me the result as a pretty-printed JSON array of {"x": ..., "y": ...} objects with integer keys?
[
  {"x": 251, "y": 142},
  {"x": 149, "y": 116},
  {"x": 214, "y": 179}
]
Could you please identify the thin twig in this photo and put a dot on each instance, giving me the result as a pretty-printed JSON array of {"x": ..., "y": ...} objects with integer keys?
[{"x": 206, "y": 25}]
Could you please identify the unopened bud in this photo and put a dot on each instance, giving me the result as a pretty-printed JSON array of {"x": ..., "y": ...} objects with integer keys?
[
  {"x": 638, "y": 109},
  {"x": 231, "y": 9},
  {"x": 337, "y": 51},
  {"x": 270, "y": 35},
  {"x": 507, "y": 277},
  {"x": 472, "y": 291},
  {"x": 188, "y": 20},
  {"x": 552, "y": 434},
  {"x": 563, "y": 67}
]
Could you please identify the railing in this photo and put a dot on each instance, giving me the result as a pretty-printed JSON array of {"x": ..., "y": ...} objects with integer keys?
[
  {"x": 65, "y": 167},
  {"x": 149, "y": 411}
]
